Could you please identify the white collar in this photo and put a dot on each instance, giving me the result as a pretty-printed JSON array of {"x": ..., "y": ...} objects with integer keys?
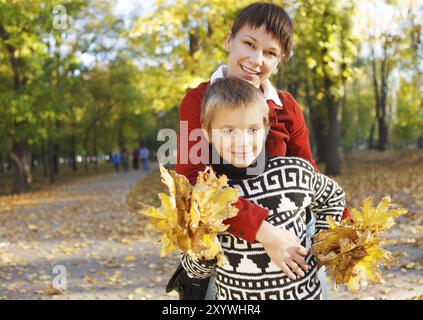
[{"x": 269, "y": 91}]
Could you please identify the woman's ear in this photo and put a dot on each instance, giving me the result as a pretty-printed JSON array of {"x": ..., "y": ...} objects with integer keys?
[
  {"x": 228, "y": 42},
  {"x": 275, "y": 71}
]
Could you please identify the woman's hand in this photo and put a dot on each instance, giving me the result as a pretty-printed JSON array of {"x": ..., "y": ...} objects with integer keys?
[{"x": 284, "y": 249}]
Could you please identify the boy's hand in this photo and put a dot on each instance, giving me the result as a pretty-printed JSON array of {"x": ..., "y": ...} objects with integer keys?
[{"x": 284, "y": 249}]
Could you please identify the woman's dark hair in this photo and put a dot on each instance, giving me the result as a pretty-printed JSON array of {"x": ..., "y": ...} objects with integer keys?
[{"x": 275, "y": 20}]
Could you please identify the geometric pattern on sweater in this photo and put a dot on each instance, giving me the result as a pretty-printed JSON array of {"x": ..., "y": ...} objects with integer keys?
[{"x": 287, "y": 187}]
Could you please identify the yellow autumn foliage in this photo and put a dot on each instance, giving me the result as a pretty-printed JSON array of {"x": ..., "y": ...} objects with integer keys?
[
  {"x": 351, "y": 251},
  {"x": 190, "y": 217}
]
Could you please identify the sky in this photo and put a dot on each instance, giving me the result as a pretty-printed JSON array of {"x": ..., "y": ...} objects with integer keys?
[{"x": 128, "y": 7}]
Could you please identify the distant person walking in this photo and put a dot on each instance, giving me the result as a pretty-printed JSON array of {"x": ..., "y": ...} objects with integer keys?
[
  {"x": 116, "y": 158},
  {"x": 144, "y": 155},
  {"x": 135, "y": 159},
  {"x": 125, "y": 159}
]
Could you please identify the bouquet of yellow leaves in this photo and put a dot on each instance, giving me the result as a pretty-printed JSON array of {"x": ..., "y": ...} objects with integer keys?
[
  {"x": 190, "y": 217},
  {"x": 351, "y": 251}
]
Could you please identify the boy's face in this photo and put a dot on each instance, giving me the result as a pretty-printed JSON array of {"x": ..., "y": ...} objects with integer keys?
[{"x": 238, "y": 135}]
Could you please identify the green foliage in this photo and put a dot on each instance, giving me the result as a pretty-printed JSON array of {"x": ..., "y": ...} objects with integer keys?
[
  {"x": 181, "y": 44},
  {"x": 111, "y": 83},
  {"x": 357, "y": 114},
  {"x": 408, "y": 126}
]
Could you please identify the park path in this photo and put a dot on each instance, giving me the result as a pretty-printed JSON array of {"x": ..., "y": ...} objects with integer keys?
[
  {"x": 86, "y": 227},
  {"x": 108, "y": 253}
]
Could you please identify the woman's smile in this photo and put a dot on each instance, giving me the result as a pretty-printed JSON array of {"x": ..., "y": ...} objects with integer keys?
[{"x": 249, "y": 70}]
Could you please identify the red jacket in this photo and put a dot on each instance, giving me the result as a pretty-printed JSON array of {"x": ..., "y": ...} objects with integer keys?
[{"x": 288, "y": 136}]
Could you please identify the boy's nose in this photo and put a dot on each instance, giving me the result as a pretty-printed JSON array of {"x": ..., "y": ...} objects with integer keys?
[{"x": 243, "y": 140}]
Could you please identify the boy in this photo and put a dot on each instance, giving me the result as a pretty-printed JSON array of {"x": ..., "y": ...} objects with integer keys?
[{"x": 234, "y": 119}]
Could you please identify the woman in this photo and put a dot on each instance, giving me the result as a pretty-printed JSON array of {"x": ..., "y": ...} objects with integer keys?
[{"x": 260, "y": 39}]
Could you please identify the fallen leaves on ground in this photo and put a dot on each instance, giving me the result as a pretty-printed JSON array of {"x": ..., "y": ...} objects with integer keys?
[{"x": 90, "y": 211}]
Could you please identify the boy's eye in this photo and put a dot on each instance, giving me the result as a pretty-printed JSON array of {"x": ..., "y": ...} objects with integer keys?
[
  {"x": 253, "y": 130},
  {"x": 227, "y": 131}
]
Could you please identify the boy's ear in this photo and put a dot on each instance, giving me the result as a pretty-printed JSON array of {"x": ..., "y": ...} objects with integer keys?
[
  {"x": 205, "y": 133},
  {"x": 266, "y": 132}
]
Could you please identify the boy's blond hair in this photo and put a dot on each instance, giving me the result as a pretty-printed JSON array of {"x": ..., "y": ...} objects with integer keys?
[{"x": 233, "y": 93}]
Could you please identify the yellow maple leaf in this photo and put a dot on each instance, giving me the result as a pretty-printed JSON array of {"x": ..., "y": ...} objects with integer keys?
[
  {"x": 191, "y": 217},
  {"x": 379, "y": 218},
  {"x": 351, "y": 250}
]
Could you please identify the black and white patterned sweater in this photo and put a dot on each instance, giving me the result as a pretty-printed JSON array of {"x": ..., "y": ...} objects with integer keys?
[{"x": 287, "y": 188}]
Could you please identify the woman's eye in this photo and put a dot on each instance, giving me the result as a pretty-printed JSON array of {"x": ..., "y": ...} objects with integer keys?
[
  {"x": 248, "y": 43},
  {"x": 271, "y": 53},
  {"x": 253, "y": 130},
  {"x": 227, "y": 131}
]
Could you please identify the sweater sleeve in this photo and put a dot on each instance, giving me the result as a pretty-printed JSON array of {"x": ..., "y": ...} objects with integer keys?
[
  {"x": 329, "y": 201},
  {"x": 250, "y": 216},
  {"x": 199, "y": 269}
]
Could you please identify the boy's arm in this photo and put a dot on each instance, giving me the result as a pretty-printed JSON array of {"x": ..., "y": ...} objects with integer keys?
[
  {"x": 250, "y": 216},
  {"x": 199, "y": 269},
  {"x": 329, "y": 201}
]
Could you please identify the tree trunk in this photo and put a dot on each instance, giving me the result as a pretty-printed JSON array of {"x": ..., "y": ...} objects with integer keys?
[
  {"x": 381, "y": 94},
  {"x": 56, "y": 164},
  {"x": 95, "y": 151},
  {"x": 45, "y": 159},
  {"x": 371, "y": 141},
  {"x": 1, "y": 162},
  {"x": 383, "y": 135},
  {"x": 85, "y": 146},
  {"x": 50, "y": 160},
  {"x": 318, "y": 123},
  {"x": 121, "y": 139},
  {"x": 73, "y": 153},
  {"x": 317, "y": 132},
  {"x": 383, "y": 126},
  {"x": 21, "y": 163},
  {"x": 333, "y": 159}
]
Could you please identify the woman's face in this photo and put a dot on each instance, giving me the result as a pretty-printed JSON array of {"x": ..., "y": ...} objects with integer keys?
[{"x": 253, "y": 55}]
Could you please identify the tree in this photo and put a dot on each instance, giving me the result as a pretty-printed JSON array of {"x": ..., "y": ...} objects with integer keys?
[{"x": 320, "y": 67}]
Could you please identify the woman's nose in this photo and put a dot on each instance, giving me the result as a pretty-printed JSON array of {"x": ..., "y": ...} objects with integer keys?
[{"x": 257, "y": 58}]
